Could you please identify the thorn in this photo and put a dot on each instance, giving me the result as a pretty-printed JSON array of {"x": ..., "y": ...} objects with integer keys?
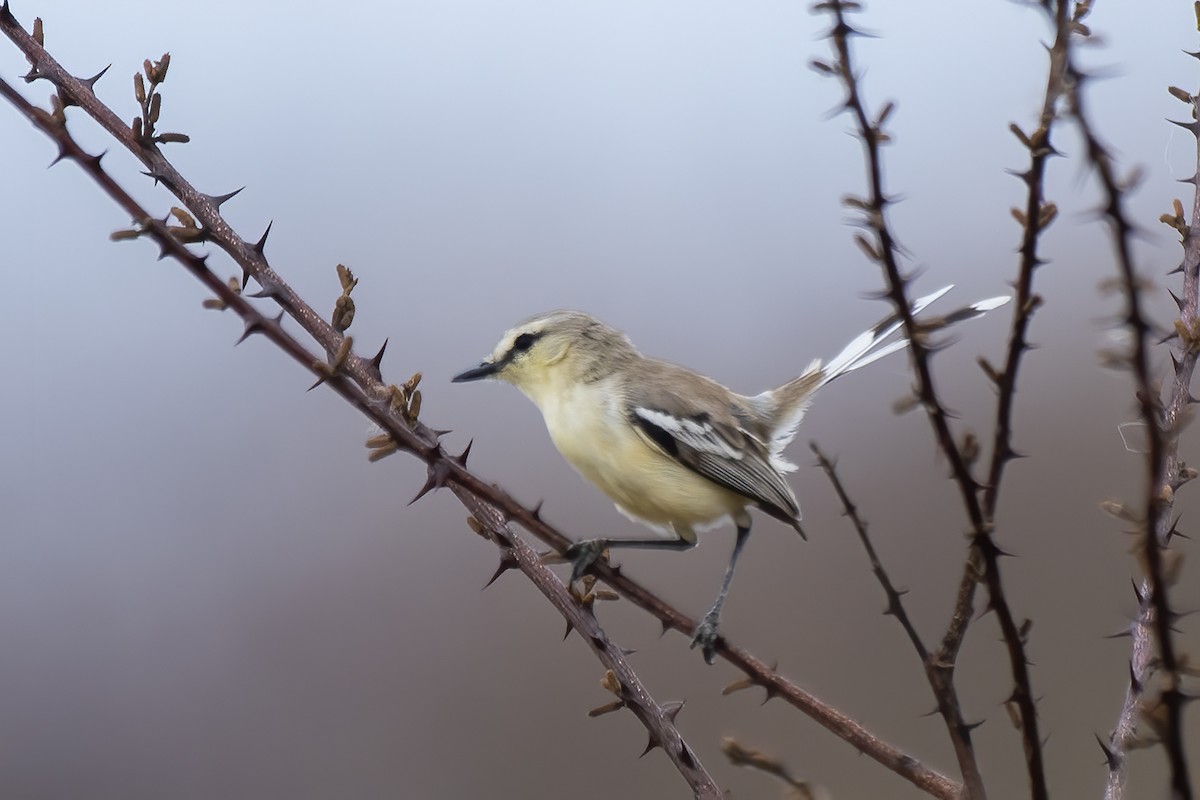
[
  {"x": 536, "y": 511},
  {"x": 253, "y": 326},
  {"x": 261, "y": 244},
  {"x": 968, "y": 727},
  {"x": 461, "y": 460},
  {"x": 436, "y": 479},
  {"x": 987, "y": 609},
  {"x": 1135, "y": 683},
  {"x": 1193, "y": 127},
  {"x": 1192, "y": 180},
  {"x": 666, "y": 626},
  {"x": 1114, "y": 762},
  {"x": 90, "y": 83},
  {"x": 769, "y": 694},
  {"x": 567, "y": 632},
  {"x": 671, "y": 710},
  {"x": 158, "y": 178},
  {"x": 1174, "y": 531},
  {"x": 650, "y": 745},
  {"x": 219, "y": 200},
  {"x": 261, "y": 293},
  {"x": 507, "y": 561},
  {"x": 376, "y": 361}
]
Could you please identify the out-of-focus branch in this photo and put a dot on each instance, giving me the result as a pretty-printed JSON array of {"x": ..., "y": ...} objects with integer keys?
[
  {"x": 742, "y": 756},
  {"x": 885, "y": 252},
  {"x": 1165, "y": 473},
  {"x": 940, "y": 679},
  {"x": 359, "y": 380},
  {"x": 659, "y": 722}
]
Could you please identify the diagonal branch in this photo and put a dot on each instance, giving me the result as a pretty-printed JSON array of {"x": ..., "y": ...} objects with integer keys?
[
  {"x": 940, "y": 678},
  {"x": 359, "y": 381},
  {"x": 885, "y": 251},
  {"x": 657, "y": 721}
]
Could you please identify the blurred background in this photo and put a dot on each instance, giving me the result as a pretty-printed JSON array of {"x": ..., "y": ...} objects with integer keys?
[{"x": 206, "y": 590}]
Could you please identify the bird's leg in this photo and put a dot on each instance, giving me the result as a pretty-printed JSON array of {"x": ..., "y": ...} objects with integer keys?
[
  {"x": 583, "y": 554},
  {"x": 706, "y": 632}
]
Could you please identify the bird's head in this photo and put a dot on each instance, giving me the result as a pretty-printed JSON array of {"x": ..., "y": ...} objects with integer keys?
[{"x": 551, "y": 351}]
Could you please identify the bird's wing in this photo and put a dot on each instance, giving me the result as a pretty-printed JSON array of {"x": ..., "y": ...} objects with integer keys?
[{"x": 703, "y": 434}]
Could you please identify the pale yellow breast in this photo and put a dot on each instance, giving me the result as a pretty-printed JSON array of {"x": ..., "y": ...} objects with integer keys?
[{"x": 590, "y": 429}]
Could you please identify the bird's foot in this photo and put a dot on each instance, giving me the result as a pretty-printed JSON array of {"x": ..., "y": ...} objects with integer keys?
[
  {"x": 583, "y": 554},
  {"x": 706, "y": 636}
]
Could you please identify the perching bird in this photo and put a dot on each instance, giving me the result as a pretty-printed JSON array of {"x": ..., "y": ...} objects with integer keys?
[{"x": 674, "y": 449}]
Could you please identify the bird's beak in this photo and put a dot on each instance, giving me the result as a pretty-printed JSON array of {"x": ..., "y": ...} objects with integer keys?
[{"x": 485, "y": 370}]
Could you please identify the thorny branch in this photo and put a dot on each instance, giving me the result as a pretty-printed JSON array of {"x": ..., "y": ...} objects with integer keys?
[
  {"x": 515, "y": 552},
  {"x": 359, "y": 381},
  {"x": 1165, "y": 473},
  {"x": 939, "y": 677},
  {"x": 885, "y": 251},
  {"x": 1034, "y": 219}
]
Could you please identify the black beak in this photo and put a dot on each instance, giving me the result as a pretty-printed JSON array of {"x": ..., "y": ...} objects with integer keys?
[{"x": 484, "y": 370}]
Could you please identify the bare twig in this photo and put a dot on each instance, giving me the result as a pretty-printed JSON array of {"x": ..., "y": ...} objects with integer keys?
[
  {"x": 939, "y": 677},
  {"x": 1164, "y": 470},
  {"x": 658, "y": 722},
  {"x": 885, "y": 251},
  {"x": 1035, "y": 219},
  {"x": 358, "y": 380}
]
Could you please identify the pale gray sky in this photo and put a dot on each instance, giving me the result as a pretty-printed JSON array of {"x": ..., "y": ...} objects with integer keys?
[{"x": 206, "y": 590}]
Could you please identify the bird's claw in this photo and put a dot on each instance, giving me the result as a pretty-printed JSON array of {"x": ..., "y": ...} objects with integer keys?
[
  {"x": 706, "y": 637},
  {"x": 582, "y": 555}
]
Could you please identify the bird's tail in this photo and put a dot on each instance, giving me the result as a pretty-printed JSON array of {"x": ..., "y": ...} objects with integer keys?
[{"x": 784, "y": 408}]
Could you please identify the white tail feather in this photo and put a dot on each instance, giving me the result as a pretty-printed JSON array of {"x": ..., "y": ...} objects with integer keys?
[
  {"x": 862, "y": 350},
  {"x": 866, "y": 348}
]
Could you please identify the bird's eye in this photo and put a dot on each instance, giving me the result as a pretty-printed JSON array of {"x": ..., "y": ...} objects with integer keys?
[{"x": 523, "y": 342}]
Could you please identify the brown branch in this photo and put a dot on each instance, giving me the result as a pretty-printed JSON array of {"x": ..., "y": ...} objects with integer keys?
[
  {"x": 940, "y": 678},
  {"x": 1163, "y": 468},
  {"x": 1035, "y": 219},
  {"x": 657, "y": 721},
  {"x": 358, "y": 380},
  {"x": 885, "y": 251}
]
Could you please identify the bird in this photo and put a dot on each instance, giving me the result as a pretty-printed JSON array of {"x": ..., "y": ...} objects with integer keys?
[{"x": 672, "y": 448}]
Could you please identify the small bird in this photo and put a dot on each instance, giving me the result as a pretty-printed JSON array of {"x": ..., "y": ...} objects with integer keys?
[{"x": 673, "y": 449}]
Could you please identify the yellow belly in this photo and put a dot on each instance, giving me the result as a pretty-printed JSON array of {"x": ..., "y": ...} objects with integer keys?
[{"x": 599, "y": 442}]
